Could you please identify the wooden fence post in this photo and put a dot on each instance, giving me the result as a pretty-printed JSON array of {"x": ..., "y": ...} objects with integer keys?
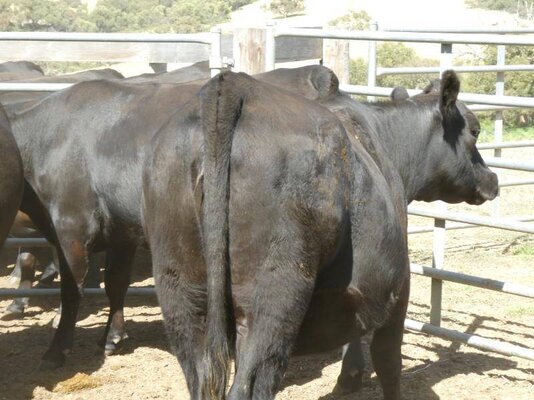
[
  {"x": 336, "y": 57},
  {"x": 249, "y": 50}
]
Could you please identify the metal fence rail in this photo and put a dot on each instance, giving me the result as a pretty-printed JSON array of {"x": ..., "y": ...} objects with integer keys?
[
  {"x": 490, "y": 222},
  {"x": 436, "y": 70},
  {"x": 506, "y": 145},
  {"x": 418, "y": 37},
  {"x": 472, "y": 340},
  {"x": 205, "y": 38},
  {"x": 508, "y": 101},
  {"x": 485, "y": 283},
  {"x": 13, "y": 293},
  {"x": 212, "y": 38}
]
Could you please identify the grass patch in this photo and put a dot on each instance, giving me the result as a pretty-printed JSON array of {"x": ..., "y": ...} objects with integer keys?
[
  {"x": 509, "y": 134},
  {"x": 520, "y": 311},
  {"x": 524, "y": 250}
]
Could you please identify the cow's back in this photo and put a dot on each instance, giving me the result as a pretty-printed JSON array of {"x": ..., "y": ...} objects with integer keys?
[{"x": 89, "y": 141}]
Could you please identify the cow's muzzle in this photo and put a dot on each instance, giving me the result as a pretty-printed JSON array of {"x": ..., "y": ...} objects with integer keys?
[{"x": 487, "y": 188}]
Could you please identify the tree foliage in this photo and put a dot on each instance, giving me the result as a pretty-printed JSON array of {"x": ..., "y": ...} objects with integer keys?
[
  {"x": 41, "y": 15},
  {"x": 392, "y": 54},
  {"x": 180, "y": 16},
  {"x": 515, "y": 83},
  {"x": 522, "y": 8},
  {"x": 285, "y": 8},
  {"x": 354, "y": 21}
]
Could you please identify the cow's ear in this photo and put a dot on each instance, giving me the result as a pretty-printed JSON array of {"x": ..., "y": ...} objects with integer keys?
[
  {"x": 325, "y": 81},
  {"x": 399, "y": 93},
  {"x": 433, "y": 87},
  {"x": 450, "y": 87}
]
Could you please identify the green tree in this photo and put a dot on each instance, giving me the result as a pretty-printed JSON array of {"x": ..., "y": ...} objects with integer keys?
[
  {"x": 392, "y": 54},
  {"x": 285, "y": 8},
  {"x": 354, "y": 21},
  {"x": 522, "y": 8},
  {"x": 515, "y": 83},
  {"x": 41, "y": 15},
  {"x": 198, "y": 15}
]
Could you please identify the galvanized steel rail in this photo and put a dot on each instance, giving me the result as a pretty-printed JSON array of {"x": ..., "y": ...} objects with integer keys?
[
  {"x": 490, "y": 222},
  {"x": 418, "y": 37},
  {"x": 509, "y": 101},
  {"x": 37, "y": 292},
  {"x": 471, "y": 280},
  {"x": 471, "y": 340},
  {"x": 204, "y": 38},
  {"x": 469, "y": 68}
]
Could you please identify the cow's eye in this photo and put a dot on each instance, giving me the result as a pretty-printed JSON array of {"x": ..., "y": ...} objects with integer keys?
[{"x": 475, "y": 132}]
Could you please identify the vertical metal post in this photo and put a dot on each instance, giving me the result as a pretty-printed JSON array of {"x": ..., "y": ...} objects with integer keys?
[
  {"x": 445, "y": 60},
  {"x": 270, "y": 46},
  {"x": 498, "y": 126},
  {"x": 371, "y": 61},
  {"x": 438, "y": 247},
  {"x": 438, "y": 257},
  {"x": 215, "y": 51}
]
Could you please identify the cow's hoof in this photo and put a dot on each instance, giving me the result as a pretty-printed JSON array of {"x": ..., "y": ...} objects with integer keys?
[
  {"x": 52, "y": 362},
  {"x": 13, "y": 311},
  {"x": 114, "y": 344},
  {"x": 348, "y": 384}
]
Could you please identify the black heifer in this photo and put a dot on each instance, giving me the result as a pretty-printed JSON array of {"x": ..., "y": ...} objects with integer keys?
[
  {"x": 83, "y": 172},
  {"x": 11, "y": 177},
  {"x": 195, "y": 72},
  {"x": 424, "y": 145},
  {"x": 13, "y": 70},
  {"x": 259, "y": 198},
  {"x": 14, "y": 101}
]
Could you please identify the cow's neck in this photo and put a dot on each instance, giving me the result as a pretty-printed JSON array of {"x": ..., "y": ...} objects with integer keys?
[{"x": 401, "y": 132}]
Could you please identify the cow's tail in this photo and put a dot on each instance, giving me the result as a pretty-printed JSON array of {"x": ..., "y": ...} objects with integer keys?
[{"x": 221, "y": 103}]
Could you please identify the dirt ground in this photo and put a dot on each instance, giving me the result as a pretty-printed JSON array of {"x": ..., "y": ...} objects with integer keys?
[{"x": 432, "y": 368}]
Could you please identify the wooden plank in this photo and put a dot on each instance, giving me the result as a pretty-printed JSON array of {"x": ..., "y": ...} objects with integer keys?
[
  {"x": 297, "y": 49},
  {"x": 287, "y": 49},
  {"x": 104, "y": 51}
]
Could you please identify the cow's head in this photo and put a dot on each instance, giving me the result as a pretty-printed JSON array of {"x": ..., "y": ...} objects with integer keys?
[{"x": 457, "y": 171}]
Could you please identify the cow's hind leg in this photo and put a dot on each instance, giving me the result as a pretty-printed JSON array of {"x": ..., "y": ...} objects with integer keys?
[
  {"x": 351, "y": 377},
  {"x": 73, "y": 264},
  {"x": 281, "y": 299},
  {"x": 386, "y": 348},
  {"x": 183, "y": 304},
  {"x": 70, "y": 301},
  {"x": 25, "y": 271},
  {"x": 117, "y": 279}
]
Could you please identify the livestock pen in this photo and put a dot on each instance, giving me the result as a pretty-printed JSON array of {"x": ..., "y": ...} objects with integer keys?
[{"x": 436, "y": 272}]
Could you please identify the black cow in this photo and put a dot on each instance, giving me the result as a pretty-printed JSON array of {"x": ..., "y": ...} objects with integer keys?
[
  {"x": 15, "y": 101},
  {"x": 196, "y": 72},
  {"x": 122, "y": 137},
  {"x": 11, "y": 177},
  {"x": 83, "y": 173},
  {"x": 259, "y": 198},
  {"x": 13, "y": 70},
  {"x": 425, "y": 154}
]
